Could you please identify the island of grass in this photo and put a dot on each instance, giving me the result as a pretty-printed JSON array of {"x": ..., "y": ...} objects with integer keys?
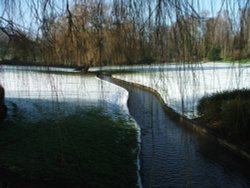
[
  {"x": 94, "y": 150},
  {"x": 227, "y": 115}
]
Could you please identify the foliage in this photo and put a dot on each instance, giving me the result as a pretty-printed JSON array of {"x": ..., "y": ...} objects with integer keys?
[
  {"x": 247, "y": 60},
  {"x": 210, "y": 106},
  {"x": 120, "y": 32},
  {"x": 214, "y": 54},
  {"x": 235, "y": 116},
  {"x": 230, "y": 108}
]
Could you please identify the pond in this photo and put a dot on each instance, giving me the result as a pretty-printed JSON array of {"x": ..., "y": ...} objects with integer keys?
[
  {"x": 172, "y": 155},
  {"x": 65, "y": 129},
  {"x": 83, "y": 129},
  {"x": 182, "y": 85}
]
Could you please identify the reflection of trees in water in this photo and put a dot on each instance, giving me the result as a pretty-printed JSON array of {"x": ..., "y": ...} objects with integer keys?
[
  {"x": 173, "y": 155},
  {"x": 182, "y": 85}
]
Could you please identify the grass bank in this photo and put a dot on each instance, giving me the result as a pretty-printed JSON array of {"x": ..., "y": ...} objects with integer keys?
[
  {"x": 240, "y": 61},
  {"x": 94, "y": 150},
  {"x": 227, "y": 114}
]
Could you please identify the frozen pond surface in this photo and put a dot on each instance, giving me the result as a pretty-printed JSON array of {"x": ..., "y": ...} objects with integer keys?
[{"x": 181, "y": 86}]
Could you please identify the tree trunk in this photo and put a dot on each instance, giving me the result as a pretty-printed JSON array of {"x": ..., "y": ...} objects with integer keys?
[{"x": 3, "y": 109}]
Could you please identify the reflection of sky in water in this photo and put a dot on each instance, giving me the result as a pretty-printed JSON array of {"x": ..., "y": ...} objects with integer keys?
[
  {"x": 188, "y": 83},
  {"x": 56, "y": 91}
]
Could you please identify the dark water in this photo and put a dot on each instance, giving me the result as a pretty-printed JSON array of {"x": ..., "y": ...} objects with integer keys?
[
  {"x": 174, "y": 156},
  {"x": 45, "y": 144}
]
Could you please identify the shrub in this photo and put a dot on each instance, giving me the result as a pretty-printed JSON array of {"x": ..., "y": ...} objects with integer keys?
[
  {"x": 231, "y": 109},
  {"x": 210, "y": 106},
  {"x": 235, "y": 116},
  {"x": 214, "y": 54}
]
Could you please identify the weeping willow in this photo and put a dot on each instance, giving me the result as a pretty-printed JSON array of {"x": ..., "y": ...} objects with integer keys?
[
  {"x": 116, "y": 32},
  {"x": 99, "y": 32},
  {"x": 84, "y": 33}
]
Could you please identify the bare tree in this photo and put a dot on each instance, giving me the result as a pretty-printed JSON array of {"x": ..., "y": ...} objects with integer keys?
[{"x": 99, "y": 32}]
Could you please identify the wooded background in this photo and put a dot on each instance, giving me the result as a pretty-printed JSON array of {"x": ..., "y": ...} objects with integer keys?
[{"x": 115, "y": 32}]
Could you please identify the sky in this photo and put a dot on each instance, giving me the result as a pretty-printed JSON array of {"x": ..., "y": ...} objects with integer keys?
[{"x": 22, "y": 15}]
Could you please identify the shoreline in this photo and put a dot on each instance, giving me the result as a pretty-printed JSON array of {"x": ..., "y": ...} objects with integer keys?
[
  {"x": 137, "y": 127},
  {"x": 189, "y": 123}
]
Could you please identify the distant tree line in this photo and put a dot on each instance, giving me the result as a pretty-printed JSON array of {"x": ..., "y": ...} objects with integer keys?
[{"x": 99, "y": 32}]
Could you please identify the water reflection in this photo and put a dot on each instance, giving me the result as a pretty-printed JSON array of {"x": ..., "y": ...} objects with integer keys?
[
  {"x": 20, "y": 83},
  {"x": 63, "y": 144},
  {"x": 44, "y": 135},
  {"x": 172, "y": 156},
  {"x": 181, "y": 86}
]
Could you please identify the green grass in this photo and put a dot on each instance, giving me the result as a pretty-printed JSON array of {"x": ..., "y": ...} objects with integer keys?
[
  {"x": 241, "y": 61},
  {"x": 245, "y": 60},
  {"x": 92, "y": 151}
]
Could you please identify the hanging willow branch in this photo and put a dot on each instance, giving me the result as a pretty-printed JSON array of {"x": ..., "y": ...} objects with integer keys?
[{"x": 84, "y": 32}]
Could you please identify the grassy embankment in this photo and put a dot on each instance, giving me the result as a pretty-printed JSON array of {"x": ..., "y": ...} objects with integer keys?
[
  {"x": 92, "y": 151},
  {"x": 228, "y": 115},
  {"x": 240, "y": 61}
]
